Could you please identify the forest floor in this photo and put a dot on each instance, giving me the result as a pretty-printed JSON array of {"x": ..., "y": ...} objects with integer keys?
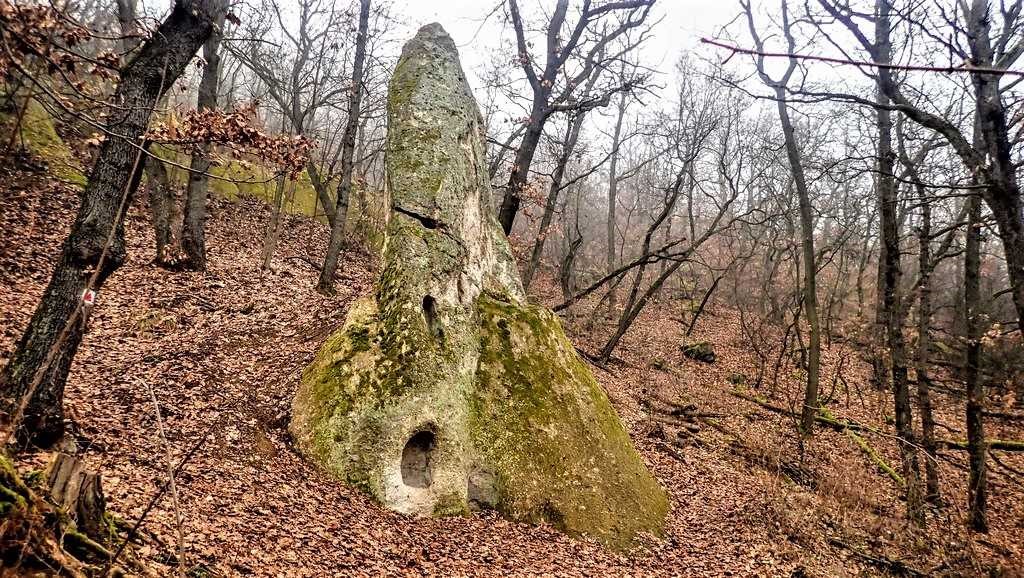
[{"x": 222, "y": 352}]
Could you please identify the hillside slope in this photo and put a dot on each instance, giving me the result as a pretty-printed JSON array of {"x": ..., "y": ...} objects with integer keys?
[{"x": 222, "y": 352}]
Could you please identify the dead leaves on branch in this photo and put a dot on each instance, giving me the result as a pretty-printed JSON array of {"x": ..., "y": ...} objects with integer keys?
[
  {"x": 44, "y": 35},
  {"x": 237, "y": 132}
]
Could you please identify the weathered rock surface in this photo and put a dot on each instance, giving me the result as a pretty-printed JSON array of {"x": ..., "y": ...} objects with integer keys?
[{"x": 445, "y": 391}]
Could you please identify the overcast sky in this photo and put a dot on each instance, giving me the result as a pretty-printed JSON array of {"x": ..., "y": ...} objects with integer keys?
[{"x": 682, "y": 24}]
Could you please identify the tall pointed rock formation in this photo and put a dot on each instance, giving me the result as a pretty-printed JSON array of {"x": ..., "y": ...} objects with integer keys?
[{"x": 445, "y": 391}]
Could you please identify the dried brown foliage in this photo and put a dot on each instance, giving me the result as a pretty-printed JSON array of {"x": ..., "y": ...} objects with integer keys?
[
  {"x": 44, "y": 37},
  {"x": 235, "y": 129}
]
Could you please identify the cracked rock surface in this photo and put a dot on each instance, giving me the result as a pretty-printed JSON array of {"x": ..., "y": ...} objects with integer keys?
[{"x": 445, "y": 391}]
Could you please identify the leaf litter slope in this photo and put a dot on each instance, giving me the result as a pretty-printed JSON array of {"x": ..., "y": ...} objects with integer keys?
[{"x": 223, "y": 352}]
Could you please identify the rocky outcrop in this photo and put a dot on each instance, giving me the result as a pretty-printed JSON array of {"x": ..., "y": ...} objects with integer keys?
[
  {"x": 445, "y": 391},
  {"x": 699, "y": 351}
]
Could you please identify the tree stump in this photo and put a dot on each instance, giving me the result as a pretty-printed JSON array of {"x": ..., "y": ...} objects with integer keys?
[{"x": 79, "y": 492}]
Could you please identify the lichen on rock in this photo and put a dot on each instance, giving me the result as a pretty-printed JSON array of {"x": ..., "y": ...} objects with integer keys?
[{"x": 445, "y": 391}]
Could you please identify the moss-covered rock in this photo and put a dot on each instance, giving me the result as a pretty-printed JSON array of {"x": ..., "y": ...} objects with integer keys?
[
  {"x": 737, "y": 379},
  {"x": 699, "y": 351},
  {"x": 445, "y": 391},
  {"x": 541, "y": 420}
]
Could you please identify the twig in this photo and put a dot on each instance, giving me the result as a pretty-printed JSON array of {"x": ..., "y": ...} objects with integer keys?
[
  {"x": 1007, "y": 415},
  {"x": 303, "y": 259},
  {"x": 832, "y": 423},
  {"x": 896, "y": 566},
  {"x": 170, "y": 481},
  {"x": 883, "y": 65},
  {"x": 593, "y": 360},
  {"x": 1010, "y": 470},
  {"x": 156, "y": 499},
  {"x": 1002, "y": 445},
  {"x": 668, "y": 449}
]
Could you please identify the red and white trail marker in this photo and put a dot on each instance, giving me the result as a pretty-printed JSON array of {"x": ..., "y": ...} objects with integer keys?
[{"x": 89, "y": 297}]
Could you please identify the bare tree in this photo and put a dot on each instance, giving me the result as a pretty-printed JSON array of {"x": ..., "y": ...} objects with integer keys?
[
  {"x": 568, "y": 63},
  {"x": 810, "y": 290},
  {"x": 926, "y": 267},
  {"x": 702, "y": 116},
  {"x": 568, "y": 147},
  {"x": 303, "y": 75},
  {"x": 888, "y": 204},
  {"x": 193, "y": 234},
  {"x": 613, "y": 183},
  {"x": 977, "y": 492},
  {"x": 970, "y": 38},
  {"x": 348, "y": 147}
]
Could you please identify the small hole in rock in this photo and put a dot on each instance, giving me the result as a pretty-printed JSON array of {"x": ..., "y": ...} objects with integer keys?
[
  {"x": 417, "y": 471},
  {"x": 430, "y": 315}
]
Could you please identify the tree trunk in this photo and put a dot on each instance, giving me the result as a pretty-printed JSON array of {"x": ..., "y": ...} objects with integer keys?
[
  {"x": 158, "y": 186},
  {"x": 977, "y": 490},
  {"x": 566, "y": 273},
  {"x": 990, "y": 156},
  {"x": 879, "y": 363},
  {"x": 520, "y": 175},
  {"x": 613, "y": 192},
  {"x": 810, "y": 286},
  {"x": 992, "y": 140},
  {"x": 891, "y": 299},
  {"x": 634, "y": 307},
  {"x": 703, "y": 302},
  {"x": 32, "y": 384},
  {"x": 348, "y": 147},
  {"x": 193, "y": 226},
  {"x": 637, "y": 299},
  {"x": 322, "y": 194},
  {"x": 924, "y": 318},
  {"x": 270, "y": 237},
  {"x": 568, "y": 146},
  {"x": 573, "y": 239},
  {"x": 161, "y": 207}
]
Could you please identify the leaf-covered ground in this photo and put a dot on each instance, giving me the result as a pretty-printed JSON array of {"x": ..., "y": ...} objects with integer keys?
[{"x": 222, "y": 352}]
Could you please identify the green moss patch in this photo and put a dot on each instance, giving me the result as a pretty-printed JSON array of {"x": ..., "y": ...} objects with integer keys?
[
  {"x": 546, "y": 425},
  {"x": 37, "y": 133},
  {"x": 234, "y": 178}
]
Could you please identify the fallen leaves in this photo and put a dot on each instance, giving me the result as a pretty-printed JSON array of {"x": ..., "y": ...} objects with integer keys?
[{"x": 223, "y": 351}]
